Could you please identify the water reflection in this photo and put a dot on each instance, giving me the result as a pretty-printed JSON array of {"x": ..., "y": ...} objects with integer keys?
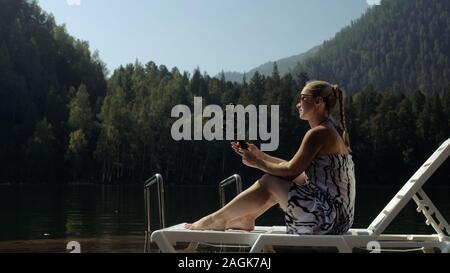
[{"x": 93, "y": 211}]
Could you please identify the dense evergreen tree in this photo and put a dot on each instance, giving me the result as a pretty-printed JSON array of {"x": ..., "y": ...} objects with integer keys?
[
  {"x": 39, "y": 63},
  {"x": 62, "y": 120},
  {"x": 81, "y": 124},
  {"x": 400, "y": 45}
]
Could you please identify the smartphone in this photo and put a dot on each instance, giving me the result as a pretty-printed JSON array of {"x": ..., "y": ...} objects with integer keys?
[{"x": 243, "y": 144}]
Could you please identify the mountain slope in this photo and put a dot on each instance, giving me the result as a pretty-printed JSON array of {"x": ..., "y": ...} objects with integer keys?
[
  {"x": 285, "y": 66},
  {"x": 399, "y": 45}
]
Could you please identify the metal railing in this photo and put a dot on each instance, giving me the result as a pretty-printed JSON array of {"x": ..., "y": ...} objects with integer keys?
[
  {"x": 236, "y": 178},
  {"x": 157, "y": 180}
]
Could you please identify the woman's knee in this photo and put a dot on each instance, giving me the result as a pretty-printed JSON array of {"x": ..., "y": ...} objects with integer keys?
[
  {"x": 276, "y": 187},
  {"x": 270, "y": 182},
  {"x": 265, "y": 181}
]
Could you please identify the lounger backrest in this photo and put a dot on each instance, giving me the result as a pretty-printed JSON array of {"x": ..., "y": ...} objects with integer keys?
[{"x": 406, "y": 193}]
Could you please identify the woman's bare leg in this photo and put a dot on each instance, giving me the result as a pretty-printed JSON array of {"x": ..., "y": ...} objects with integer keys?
[
  {"x": 250, "y": 204},
  {"x": 249, "y": 201},
  {"x": 247, "y": 222}
]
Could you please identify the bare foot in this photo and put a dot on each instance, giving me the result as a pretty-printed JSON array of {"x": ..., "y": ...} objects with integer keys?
[
  {"x": 207, "y": 223},
  {"x": 241, "y": 223}
]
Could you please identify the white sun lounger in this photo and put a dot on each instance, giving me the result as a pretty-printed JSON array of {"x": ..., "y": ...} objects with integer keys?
[{"x": 371, "y": 238}]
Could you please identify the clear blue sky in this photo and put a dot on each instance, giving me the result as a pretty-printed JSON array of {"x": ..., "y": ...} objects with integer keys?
[{"x": 233, "y": 35}]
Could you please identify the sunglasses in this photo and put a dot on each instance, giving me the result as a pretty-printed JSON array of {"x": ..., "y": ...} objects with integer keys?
[{"x": 304, "y": 96}]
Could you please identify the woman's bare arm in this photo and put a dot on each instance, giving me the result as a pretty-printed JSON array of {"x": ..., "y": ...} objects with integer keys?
[
  {"x": 273, "y": 159},
  {"x": 311, "y": 145}
]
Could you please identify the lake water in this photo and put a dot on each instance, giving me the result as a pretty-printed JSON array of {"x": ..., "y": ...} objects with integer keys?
[{"x": 113, "y": 215}]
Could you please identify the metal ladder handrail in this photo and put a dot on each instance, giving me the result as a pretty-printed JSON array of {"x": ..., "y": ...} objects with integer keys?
[
  {"x": 158, "y": 180},
  {"x": 234, "y": 178}
]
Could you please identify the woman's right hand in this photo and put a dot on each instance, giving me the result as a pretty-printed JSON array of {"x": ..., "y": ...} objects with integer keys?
[{"x": 251, "y": 147}]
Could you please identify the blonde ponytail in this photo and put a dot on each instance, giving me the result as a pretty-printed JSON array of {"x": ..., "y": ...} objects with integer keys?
[{"x": 345, "y": 136}]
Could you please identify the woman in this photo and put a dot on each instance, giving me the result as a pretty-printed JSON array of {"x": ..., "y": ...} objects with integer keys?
[{"x": 315, "y": 189}]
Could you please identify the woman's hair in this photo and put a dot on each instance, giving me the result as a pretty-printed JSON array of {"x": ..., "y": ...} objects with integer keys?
[{"x": 331, "y": 94}]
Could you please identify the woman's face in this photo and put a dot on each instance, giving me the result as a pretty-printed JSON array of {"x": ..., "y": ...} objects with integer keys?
[{"x": 306, "y": 105}]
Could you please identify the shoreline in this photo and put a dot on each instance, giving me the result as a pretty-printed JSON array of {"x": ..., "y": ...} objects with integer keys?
[{"x": 104, "y": 244}]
